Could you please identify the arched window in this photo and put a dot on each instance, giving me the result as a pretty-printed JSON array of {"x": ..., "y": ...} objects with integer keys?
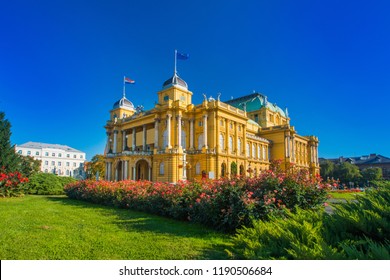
[
  {"x": 223, "y": 169},
  {"x": 200, "y": 142},
  {"x": 248, "y": 150},
  {"x": 221, "y": 141},
  {"x": 197, "y": 168},
  {"x": 253, "y": 151},
  {"x": 239, "y": 146},
  {"x": 259, "y": 151},
  {"x": 231, "y": 144},
  {"x": 264, "y": 153},
  {"x": 162, "y": 168}
]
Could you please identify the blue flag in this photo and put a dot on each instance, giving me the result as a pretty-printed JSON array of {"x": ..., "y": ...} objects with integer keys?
[{"x": 182, "y": 56}]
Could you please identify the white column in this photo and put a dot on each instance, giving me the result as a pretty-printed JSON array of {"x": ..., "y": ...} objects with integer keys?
[
  {"x": 205, "y": 131},
  {"x": 191, "y": 133},
  {"x": 115, "y": 141},
  {"x": 179, "y": 131},
  {"x": 123, "y": 140},
  {"x": 156, "y": 133},
  {"x": 125, "y": 173},
  {"x": 169, "y": 116},
  {"x": 134, "y": 139},
  {"x": 144, "y": 138},
  {"x": 109, "y": 171}
]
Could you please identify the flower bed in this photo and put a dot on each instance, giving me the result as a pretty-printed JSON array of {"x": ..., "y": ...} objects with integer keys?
[
  {"x": 12, "y": 184},
  {"x": 224, "y": 204}
]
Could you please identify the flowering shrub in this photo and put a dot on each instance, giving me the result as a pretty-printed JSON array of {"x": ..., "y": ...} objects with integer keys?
[
  {"x": 224, "y": 204},
  {"x": 12, "y": 184}
]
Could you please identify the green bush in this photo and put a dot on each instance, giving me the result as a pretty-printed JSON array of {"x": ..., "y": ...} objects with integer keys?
[
  {"x": 356, "y": 230},
  {"x": 296, "y": 236},
  {"x": 47, "y": 184}
]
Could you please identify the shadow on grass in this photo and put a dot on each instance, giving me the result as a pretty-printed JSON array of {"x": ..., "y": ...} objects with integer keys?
[{"x": 131, "y": 220}]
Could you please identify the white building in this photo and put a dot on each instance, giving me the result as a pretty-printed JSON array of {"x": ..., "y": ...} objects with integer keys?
[{"x": 57, "y": 159}]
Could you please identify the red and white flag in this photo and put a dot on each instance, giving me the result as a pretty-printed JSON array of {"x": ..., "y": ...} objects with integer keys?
[{"x": 128, "y": 81}]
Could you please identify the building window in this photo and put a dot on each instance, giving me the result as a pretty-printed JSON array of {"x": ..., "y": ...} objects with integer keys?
[
  {"x": 59, "y": 155},
  {"x": 200, "y": 123},
  {"x": 162, "y": 168},
  {"x": 197, "y": 168},
  {"x": 53, "y": 163},
  {"x": 165, "y": 139},
  {"x": 59, "y": 163},
  {"x": 221, "y": 141},
  {"x": 46, "y": 162},
  {"x": 264, "y": 153},
  {"x": 231, "y": 144},
  {"x": 74, "y": 156},
  {"x": 20, "y": 152},
  {"x": 74, "y": 164},
  {"x": 67, "y": 164},
  {"x": 200, "y": 142},
  {"x": 67, "y": 155},
  {"x": 47, "y": 154},
  {"x": 81, "y": 156},
  {"x": 53, "y": 154},
  {"x": 239, "y": 145},
  {"x": 259, "y": 151},
  {"x": 183, "y": 138},
  {"x": 67, "y": 172},
  {"x": 28, "y": 153},
  {"x": 256, "y": 118},
  {"x": 248, "y": 150},
  {"x": 37, "y": 153},
  {"x": 253, "y": 151}
]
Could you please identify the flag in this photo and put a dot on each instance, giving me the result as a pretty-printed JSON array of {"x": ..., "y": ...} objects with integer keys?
[
  {"x": 182, "y": 56},
  {"x": 129, "y": 81}
]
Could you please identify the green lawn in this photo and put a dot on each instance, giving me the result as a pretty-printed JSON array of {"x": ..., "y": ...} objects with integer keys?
[
  {"x": 345, "y": 195},
  {"x": 56, "y": 227}
]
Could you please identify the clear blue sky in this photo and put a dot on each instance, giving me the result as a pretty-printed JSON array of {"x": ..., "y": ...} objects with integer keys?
[{"x": 62, "y": 64}]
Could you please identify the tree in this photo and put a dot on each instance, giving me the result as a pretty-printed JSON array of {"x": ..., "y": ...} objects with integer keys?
[
  {"x": 347, "y": 172},
  {"x": 327, "y": 169},
  {"x": 9, "y": 160},
  {"x": 97, "y": 164},
  {"x": 372, "y": 173},
  {"x": 29, "y": 166}
]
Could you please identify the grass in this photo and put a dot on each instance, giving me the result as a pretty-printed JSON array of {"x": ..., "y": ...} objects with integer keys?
[
  {"x": 56, "y": 227},
  {"x": 345, "y": 195}
]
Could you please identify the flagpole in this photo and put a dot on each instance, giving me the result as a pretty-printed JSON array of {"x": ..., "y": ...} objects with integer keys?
[
  {"x": 124, "y": 86},
  {"x": 175, "y": 60}
]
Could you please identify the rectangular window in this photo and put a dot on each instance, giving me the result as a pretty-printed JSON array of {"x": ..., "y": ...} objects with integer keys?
[
  {"x": 46, "y": 162},
  {"x": 47, "y": 154},
  {"x": 59, "y": 155},
  {"x": 256, "y": 118},
  {"x": 67, "y": 155},
  {"x": 37, "y": 153},
  {"x": 28, "y": 153},
  {"x": 53, "y": 163},
  {"x": 74, "y": 156},
  {"x": 53, "y": 154},
  {"x": 59, "y": 163},
  {"x": 81, "y": 156},
  {"x": 74, "y": 164},
  {"x": 67, "y": 164}
]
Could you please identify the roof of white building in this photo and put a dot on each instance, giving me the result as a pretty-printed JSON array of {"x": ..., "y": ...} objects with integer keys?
[{"x": 38, "y": 145}]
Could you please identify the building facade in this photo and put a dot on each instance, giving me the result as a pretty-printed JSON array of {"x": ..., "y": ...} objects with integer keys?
[
  {"x": 57, "y": 159},
  {"x": 179, "y": 140}
]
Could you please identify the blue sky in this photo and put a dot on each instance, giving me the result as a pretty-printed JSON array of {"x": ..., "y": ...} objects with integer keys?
[{"x": 62, "y": 64}]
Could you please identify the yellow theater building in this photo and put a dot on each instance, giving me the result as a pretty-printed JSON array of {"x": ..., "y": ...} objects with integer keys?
[{"x": 179, "y": 140}]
